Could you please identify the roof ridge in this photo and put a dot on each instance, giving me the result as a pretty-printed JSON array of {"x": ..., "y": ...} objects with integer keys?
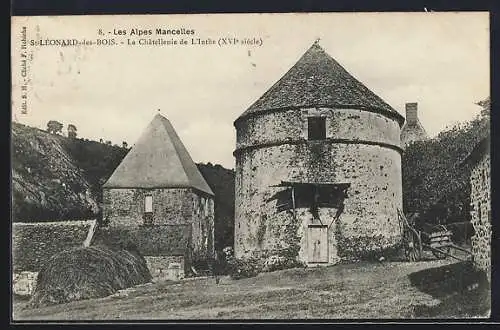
[
  {"x": 163, "y": 120},
  {"x": 170, "y": 130}
]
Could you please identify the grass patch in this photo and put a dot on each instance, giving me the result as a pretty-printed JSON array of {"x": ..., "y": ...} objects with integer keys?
[{"x": 356, "y": 291}]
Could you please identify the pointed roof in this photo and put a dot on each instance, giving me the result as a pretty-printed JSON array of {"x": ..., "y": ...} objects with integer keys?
[
  {"x": 318, "y": 80},
  {"x": 158, "y": 160}
]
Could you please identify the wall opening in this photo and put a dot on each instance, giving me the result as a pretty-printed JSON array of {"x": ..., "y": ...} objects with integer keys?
[
  {"x": 312, "y": 196},
  {"x": 148, "y": 209},
  {"x": 316, "y": 128},
  {"x": 479, "y": 212},
  {"x": 317, "y": 244},
  {"x": 148, "y": 204}
]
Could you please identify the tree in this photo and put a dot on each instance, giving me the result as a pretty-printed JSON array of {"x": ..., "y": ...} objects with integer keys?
[
  {"x": 486, "y": 105},
  {"x": 72, "y": 131},
  {"x": 434, "y": 183},
  {"x": 54, "y": 127}
]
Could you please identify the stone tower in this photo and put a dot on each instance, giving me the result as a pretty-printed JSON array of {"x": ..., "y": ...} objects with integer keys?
[
  {"x": 318, "y": 168},
  {"x": 412, "y": 129}
]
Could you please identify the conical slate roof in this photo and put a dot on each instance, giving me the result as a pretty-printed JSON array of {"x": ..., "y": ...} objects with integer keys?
[
  {"x": 318, "y": 80},
  {"x": 158, "y": 160}
]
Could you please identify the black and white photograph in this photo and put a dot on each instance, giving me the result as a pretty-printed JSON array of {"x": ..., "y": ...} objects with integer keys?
[{"x": 278, "y": 166}]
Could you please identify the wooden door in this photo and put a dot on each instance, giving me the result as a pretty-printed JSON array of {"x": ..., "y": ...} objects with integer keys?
[{"x": 317, "y": 244}]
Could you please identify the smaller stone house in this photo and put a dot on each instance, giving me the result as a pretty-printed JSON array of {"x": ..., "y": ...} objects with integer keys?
[
  {"x": 479, "y": 162},
  {"x": 412, "y": 130},
  {"x": 158, "y": 199}
]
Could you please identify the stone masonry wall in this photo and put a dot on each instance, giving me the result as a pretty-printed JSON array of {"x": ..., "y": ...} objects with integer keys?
[
  {"x": 24, "y": 283},
  {"x": 203, "y": 227},
  {"x": 166, "y": 267},
  {"x": 125, "y": 208},
  {"x": 291, "y": 125},
  {"x": 481, "y": 215},
  {"x": 369, "y": 222},
  {"x": 411, "y": 133}
]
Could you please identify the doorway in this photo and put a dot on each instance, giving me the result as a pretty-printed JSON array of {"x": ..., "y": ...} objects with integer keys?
[{"x": 317, "y": 244}]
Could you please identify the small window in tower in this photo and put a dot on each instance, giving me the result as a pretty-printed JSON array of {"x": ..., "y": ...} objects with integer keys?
[
  {"x": 148, "y": 204},
  {"x": 316, "y": 128}
]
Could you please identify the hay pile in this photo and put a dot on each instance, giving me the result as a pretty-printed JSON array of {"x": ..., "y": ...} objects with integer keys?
[{"x": 90, "y": 272}]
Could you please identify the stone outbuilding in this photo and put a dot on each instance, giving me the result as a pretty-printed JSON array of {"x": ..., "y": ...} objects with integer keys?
[
  {"x": 318, "y": 168},
  {"x": 480, "y": 199},
  {"x": 412, "y": 130},
  {"x": 159, "y": 198}
]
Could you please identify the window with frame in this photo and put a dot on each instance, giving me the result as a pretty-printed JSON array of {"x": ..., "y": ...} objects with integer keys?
[
  {"x": 148, "y": 210},
  {"x": 202, "y": 206},
  {"x": 207, "y": 207},
  {"x": 148, "y": 204},
  {"x": 316, "y": 128}
]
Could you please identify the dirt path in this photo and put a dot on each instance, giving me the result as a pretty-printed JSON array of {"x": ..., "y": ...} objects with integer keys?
[{"x": 344, "y": 291}]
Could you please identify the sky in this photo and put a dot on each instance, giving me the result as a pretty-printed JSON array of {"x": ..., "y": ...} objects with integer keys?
[{"x": 440, "y": 60}]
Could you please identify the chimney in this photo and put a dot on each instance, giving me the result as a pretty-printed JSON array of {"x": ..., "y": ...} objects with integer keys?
[{"x": 411, "y": 113}]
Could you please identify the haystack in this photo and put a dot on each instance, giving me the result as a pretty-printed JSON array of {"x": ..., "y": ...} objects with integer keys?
[{"x": 90, "y": 272}]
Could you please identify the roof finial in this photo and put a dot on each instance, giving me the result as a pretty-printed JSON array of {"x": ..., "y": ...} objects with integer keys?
[{"x": 316, "y": 42}]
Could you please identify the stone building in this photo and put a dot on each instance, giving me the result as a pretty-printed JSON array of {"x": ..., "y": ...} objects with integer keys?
[
  {"x": 318, "y": 168},
  {"x": 479, "y": 161},
  {"x": 412, "y": 130},
  {"x": 158, "y": 196}
]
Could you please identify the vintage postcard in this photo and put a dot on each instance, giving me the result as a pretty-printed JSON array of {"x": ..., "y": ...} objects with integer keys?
[{"x": 213, "y": 167}]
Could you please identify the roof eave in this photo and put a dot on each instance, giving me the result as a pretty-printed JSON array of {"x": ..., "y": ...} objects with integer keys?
[
  {"x": 481, "y": 148},
  {"x": 388, "y": 113},
  {"x": 206, "y": 191}
]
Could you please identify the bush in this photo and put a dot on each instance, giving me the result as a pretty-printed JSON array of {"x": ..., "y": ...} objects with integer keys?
[
  {"x": 279, "y": 262},
  {"x": 243, "y": 268}
]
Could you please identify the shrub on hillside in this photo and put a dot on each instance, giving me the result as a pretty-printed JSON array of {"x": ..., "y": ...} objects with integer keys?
[
  {"x": 275, "y": 262},
  {"x": 282, "y": 259},
  {"x": 243, "y": 268}
]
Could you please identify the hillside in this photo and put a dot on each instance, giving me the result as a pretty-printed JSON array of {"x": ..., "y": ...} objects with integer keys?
[
  {"x": 47, "y": 183},
  {"x": 55, "y": 178}
]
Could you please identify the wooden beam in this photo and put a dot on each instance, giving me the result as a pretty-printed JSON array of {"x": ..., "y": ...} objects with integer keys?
[
  {"x": 443, "y": 252},
  {"x": 460, "y": 248}
]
